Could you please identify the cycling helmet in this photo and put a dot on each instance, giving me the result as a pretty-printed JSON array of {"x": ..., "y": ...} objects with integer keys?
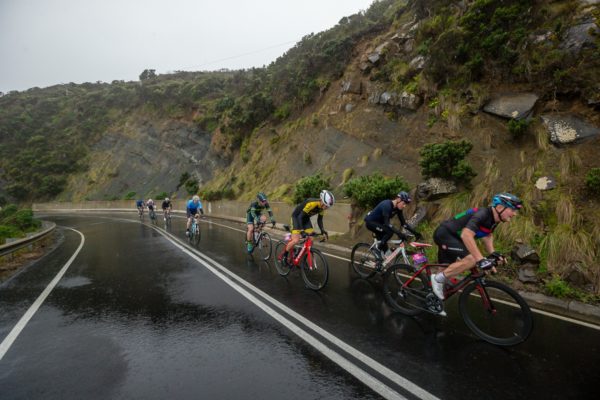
[
  {"x": 166, "y": 199},
  {"x": 261, "y": 196},
  {"x": 150, "y": 201},
  {"x": 327, "y": 198},
  {"x": 405, "y": 197},
  {"x": 196, "y": 198},
  {"x": 507, "y": 200}
]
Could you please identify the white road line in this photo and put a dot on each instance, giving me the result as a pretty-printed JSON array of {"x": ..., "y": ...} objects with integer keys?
[
  {"x": 14, "y": 333},
  {"x": 375, "y": 384}
]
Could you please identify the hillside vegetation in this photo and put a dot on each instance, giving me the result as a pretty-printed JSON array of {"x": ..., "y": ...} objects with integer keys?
[{"x": 384, "y": 93}]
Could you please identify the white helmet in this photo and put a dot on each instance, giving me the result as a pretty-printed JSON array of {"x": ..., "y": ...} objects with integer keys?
[
  {"x": 150, "y": 201},
  {"x": 196, "y": 198},
  {"x": 166, "y": 199},
  {"x": 327, "y": 198}
]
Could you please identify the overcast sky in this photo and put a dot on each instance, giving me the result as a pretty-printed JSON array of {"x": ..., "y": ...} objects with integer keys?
[{"x": 46, "y": 42}]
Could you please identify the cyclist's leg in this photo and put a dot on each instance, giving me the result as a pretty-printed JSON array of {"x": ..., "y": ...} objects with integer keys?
[
  {"x": 382, "y": 233},
  {"x": 250, "y": 227}
]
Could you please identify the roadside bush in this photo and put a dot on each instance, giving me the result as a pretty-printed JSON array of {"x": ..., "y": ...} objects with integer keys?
[
  {"x": 368, "y": 191},
  {"x": 309, "y": 186},
  {"x": 592, "y": 181},
  {"x": 518, "y": 128},
  {"x": 191, "y": 186},
  {"x": 447, "y": 160},
  {"x": 130, "y": 196},
  {"x": 558, "y": 288},
  {"x": 8, "y": 232}
]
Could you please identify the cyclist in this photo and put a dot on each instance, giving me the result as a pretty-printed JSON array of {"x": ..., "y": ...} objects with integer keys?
[
  {"x": 140, "y": 206},
  {"x": 378, "y": 221},
  {"x": 150, "y": 205},
  {"x": 456, "y": 238},
  {"x": 166, "y": 207},
  {"x": 301, "y": 218},
  {"x": 253, "y": 216},
  {"x": 194, "y": 206}
]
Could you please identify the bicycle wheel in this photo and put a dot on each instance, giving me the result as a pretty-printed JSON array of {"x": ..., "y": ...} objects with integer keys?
[
  {"x": 264, "y": 245},
  {"x": 316, "y": 274},
  {"x": 409, "y": 298},
  {"x": 197, "y": 234},
  {"x": 496, "y": 313},
  {"x": 363, "y": 260},
  {"x": 280, "y": 263}
]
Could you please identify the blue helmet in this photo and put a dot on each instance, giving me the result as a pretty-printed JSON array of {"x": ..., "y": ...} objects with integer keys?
[
  {"x": 507, "y": 200},
  {"x": 261, "y": 196},
  {"x": 405, "y": 197}
]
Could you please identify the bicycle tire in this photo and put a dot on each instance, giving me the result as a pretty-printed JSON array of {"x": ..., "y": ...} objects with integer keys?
[
  {"x": 315, "y": 276},
  {"x": 363, "y": 260},
  {"x": 280, "y": 263},
  {"x": 409, "y": 300},
  {"x": 264, "y": 245},
  {"x": 511, "y": 320},
  {"x": 197, "y": 234}
]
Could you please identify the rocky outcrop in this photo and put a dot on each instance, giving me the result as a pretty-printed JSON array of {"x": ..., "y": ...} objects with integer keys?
[
  {"x": 580, "y": 36},
  {"x": 404, "y": 100},
  {"x": 568, "y": 129},
  {"x": 352, "y": 85},
  {"x": 512, "y": 105},
  {"x": 545, "y": 183},
  {"x": 435, "y": 188}
]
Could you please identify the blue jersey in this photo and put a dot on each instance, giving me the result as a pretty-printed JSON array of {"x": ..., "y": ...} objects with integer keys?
[
  {"x": 193, "y": 207},
  {"x": 139, "y": 203}
]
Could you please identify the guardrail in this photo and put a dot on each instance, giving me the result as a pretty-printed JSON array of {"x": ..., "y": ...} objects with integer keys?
[{"x": 7, "y": 248}]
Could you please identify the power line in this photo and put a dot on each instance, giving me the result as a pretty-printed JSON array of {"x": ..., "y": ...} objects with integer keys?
[{"x": 244, "y": 54}]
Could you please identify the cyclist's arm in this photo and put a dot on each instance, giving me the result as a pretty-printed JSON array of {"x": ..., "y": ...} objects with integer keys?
[
  {"x": 468, "y": 238},
  {"x": 320, "y": 223},
  {"x": 488, "y": 244}
]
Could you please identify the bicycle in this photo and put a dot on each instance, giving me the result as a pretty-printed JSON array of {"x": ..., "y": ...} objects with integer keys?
[
  {"x": 167, "y": 217},
  {"x": 194, "y": 234},
  {"x": 152, "y": 215},
  {"x": 141, "y": 213},
  {"x": 313, "y": 265},
  {"x": 367, "y": 260},
  {"x": 262, "y": 241},
  {"x": 491, "y": 310}
]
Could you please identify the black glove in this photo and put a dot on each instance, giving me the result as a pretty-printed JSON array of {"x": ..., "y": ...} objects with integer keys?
[
  {"x": 418, "y": 236},
  {"x": 496, "y": 256},
  {"x": 272, "y": 224},
  {"x": 485, "y": 263},
  {"x": 401, "y": 235}
]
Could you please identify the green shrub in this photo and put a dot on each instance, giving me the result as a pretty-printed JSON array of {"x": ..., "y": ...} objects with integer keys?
[
  {"x": 9, "y": 232},
  {"x": 161, "y": 195},
  {"x": 518, "y": 127},
  {"x": 368, "y": 191},
  {"x": 309, "y": 187},
  {"x": 592, "y": 181},
  {"x": 191, "y": 186},
  {"x": 558, "y": 288},
  {"x": 446, "y": 160},
  {"x": 130, "y": 196}
]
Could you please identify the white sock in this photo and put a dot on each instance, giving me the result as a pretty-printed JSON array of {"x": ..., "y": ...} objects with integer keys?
[{"x": 440, "y": 277}]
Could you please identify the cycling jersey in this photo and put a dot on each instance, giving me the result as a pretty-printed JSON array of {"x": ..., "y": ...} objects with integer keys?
[
  {"x": 139, "y": 203},
  {"x": 166, "y": 205},
  {"x": 254, "y": 211},
  {"x": 193, "y": 208},
  {"x": 448, "y": 235},
  {"x": 150, "y": 205},
  {"x": 481, "y": 221},
  {"x": 378, "y": 222},
  {"x": 302, "y": 213}
]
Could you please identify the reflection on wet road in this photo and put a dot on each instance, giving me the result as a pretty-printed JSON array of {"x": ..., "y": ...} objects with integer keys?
[{"x": 140, "y": 315}]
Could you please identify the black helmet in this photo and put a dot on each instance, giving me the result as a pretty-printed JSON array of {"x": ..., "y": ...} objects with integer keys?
[
  {"x": 261, "y": 196},
  {"x": 405, "y": 197}
]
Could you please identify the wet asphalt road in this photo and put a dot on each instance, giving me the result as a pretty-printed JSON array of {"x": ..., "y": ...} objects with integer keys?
[{"x": 137, "y": 317}]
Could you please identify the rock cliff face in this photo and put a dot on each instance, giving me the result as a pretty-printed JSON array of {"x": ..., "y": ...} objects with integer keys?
[{"x": 146, "y": 157}]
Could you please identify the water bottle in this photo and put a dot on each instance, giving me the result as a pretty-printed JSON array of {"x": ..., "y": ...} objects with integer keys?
[{"x": 418, "y": 259}]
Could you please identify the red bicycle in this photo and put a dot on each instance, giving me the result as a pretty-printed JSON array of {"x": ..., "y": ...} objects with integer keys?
[
  {"x": 313, "y": 265},
  {"x": 493, "y": 311}
]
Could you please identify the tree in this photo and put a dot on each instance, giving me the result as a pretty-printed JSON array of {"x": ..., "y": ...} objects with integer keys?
[{"x": 148, "y": 74}]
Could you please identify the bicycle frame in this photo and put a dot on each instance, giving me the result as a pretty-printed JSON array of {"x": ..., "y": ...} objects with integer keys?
[
  {"x": 454, "y": 285},
  {"x": 305, "y": 249}
]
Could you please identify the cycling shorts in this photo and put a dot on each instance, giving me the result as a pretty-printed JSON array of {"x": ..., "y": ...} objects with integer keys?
[
  {"x": 450, "y": 247},
  {"x": 305, "y": 226}
]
